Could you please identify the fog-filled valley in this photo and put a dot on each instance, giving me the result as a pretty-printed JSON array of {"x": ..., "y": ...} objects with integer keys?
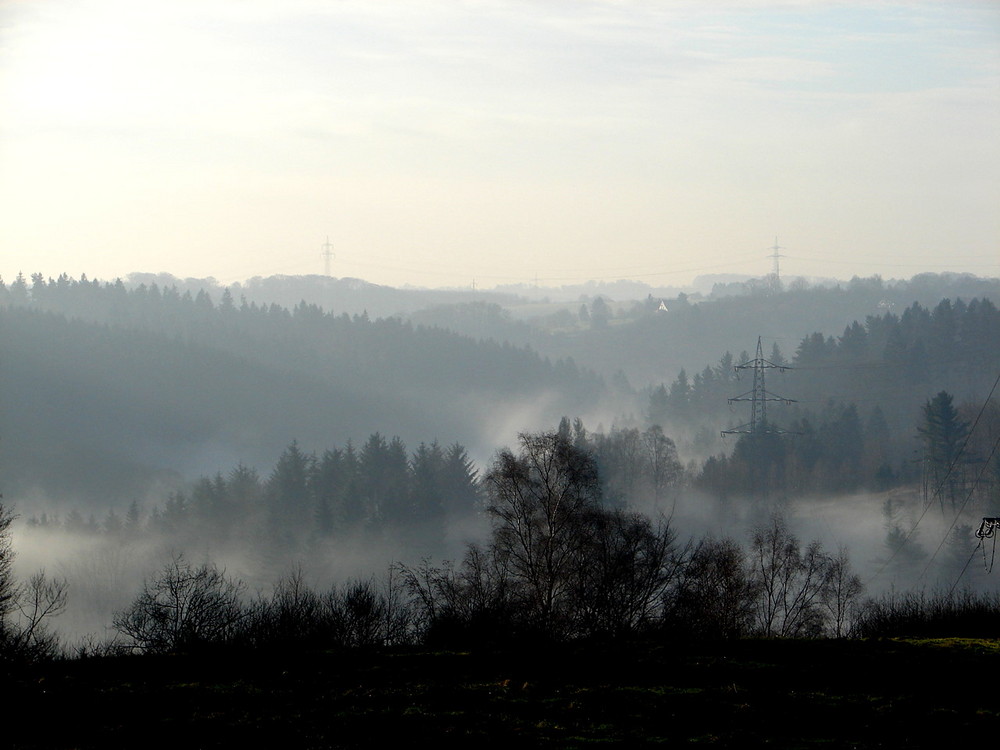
[
  {"x": 499, "y": 374},
  {"x": 338, "y": 429}
]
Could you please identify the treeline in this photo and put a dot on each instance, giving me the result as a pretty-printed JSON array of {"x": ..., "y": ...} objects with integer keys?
[
  {"x": 382, "y": 351},
  {"x": 838, "y": 455},
  {"x": 891, "y": 361},
  {"x": 350, "y": 295},
  {"x": 121, "y": 389},
  {"x": 559, "y": 565},
  {"x": 379, "y": 485},
  {"x": 714, "y": 590},
  {"x": 859, "y": 400},
  {"x": 949, "y": 462},
  {"x": 306, "y": 497},
  {"x": 649, "y": 344}
]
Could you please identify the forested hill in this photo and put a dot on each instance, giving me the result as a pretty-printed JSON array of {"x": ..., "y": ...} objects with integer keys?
[
  {"x": 607, "y": 330},
  {"x": 106, "y": 385},
  {"x": 861, "y": 408},
  {"x": 353, "y": 296},
  {"x": 651, "y": 345},
  {"x": 105, "y": 388},
  {"x": 892, "y": 361}
]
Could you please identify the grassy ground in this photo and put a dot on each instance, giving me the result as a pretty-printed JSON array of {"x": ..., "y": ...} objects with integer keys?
[{"x": 782, "y": 694}]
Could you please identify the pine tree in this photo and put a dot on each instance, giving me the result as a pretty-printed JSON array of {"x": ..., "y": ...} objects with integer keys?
[
  {"x": 426, "y": 482},
  {"x": 460, "y": 483},
  {"x": 944, "y": 436},
  {"x": 289, "y": 491}
]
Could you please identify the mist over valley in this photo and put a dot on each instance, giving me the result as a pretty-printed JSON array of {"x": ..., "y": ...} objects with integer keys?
[
  {"x": 163, "y": 418},
  {"x": 507, "y": 374}
]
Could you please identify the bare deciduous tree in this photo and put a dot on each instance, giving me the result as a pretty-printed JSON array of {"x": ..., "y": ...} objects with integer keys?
[
  {"x": 626, "y": 567},
  {"x": 39, "y": 599},
  {"x": 841, "y": 594},
  {"x": 468, "y": 603},
  {"x": 371, "y": 616},
  {"x": 715, "y": 597},
  {"x": 557, "y": 562},
  {"x": 25, "y": 608},
  {"x": 7, "y": 584},
  {"x": 183, "y": 607},
  {"x": 538, "y": 500},
  {"x": 791, "y": 581}
]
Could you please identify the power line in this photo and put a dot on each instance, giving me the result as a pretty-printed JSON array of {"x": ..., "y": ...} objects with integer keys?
[
  {"x": 940, "y": 486},
  {"x": 965, "y": 567},
  {"x": 961, "y": 510}
]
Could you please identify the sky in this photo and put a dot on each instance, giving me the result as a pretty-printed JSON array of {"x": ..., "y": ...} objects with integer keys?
[{"x": 451, "y": 144}]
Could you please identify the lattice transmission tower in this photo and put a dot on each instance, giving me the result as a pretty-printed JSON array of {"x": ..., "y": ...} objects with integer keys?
[
  {"x": 775, "y": 278},
  {"x": 775, "y": 256},
  {"x": 327, "y": 255},
  {"x": 758, "y": 397}
]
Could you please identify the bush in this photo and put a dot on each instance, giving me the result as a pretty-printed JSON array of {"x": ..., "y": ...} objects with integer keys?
[
  {"x": 25, "y": 607},
  {"x": 962, "y": 614},
  {"x": 715, "y": 596},
  {"x": 184, "y": 608},
  {"x": 361, "y": 614}
]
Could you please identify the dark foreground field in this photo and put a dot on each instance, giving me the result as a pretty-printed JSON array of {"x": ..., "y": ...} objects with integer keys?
[{"x": 857, "y": 694}]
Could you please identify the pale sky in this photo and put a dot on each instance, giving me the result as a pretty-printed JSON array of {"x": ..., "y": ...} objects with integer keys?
[{"x": 441, "y": 143}]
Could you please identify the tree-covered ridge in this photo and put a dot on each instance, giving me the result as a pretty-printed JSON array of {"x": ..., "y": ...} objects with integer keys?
[
  {"x": 306, "y": 498},
  {"x": 860, "y": 401},
  {"x": 895, "y": 361},
  {"x": 109, "y": 388},
  {"x": 650, "y": 344},
  {"x": 152, "y": 379},
  {"x": 371, "y": 487},
  {"x": 386, "y": 350}
]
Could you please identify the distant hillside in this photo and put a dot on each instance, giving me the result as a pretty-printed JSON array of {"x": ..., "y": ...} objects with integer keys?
[
  {"x": 647, "y": 344},
  {"x": 650, "y": 346},
  {"x": 336, "y": 295},
  {"x": 107, "y": 389}
]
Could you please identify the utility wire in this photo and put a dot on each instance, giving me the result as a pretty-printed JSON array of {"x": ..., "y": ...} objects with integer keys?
[
  {"x": 940, "y": 486},
  {"x": 961, "y": 510},
  {"x": 967, "y": 563},
  {"x": 975, "y": 483}
]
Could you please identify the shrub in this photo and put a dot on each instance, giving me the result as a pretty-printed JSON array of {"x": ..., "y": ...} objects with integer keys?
[
  {"x": 964, "y": 613},
  {"x": 715, "y": 597},
  {"x": 183, "y": 608},
  {"x": 24, "y": 607}
]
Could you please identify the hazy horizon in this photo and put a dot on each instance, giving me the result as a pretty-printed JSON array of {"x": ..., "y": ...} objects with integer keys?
[{"x": 488, "y": 143}]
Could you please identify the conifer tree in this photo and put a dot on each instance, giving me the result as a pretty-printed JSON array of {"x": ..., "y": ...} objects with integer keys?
[{"x": 944, "y": 435}]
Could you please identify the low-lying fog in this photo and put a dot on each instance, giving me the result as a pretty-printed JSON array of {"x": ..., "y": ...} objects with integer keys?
[{"x": 105, "y": 575}]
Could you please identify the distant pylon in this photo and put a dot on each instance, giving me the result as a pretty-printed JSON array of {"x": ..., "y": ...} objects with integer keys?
[
  {"x": 758, "y": 397},
  {"x": 327, "y": 255},
  {"x": 775, "y": 255}
]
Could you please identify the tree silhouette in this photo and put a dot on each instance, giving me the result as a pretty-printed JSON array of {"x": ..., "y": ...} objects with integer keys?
[
  {"x": 184, "y": 607},
  {"x": 538, "y": 500},
  {"x": 289, "y": 492},
  {"x": 944, "y": 435}
]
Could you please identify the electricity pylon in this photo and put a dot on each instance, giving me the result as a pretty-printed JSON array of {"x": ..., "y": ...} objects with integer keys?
[
  {"x": 327, "y": 255},
  {"x": 758, "y": 398},
  {"x": 774, "y": 281},
  {"x": 774, "y": 257}
]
